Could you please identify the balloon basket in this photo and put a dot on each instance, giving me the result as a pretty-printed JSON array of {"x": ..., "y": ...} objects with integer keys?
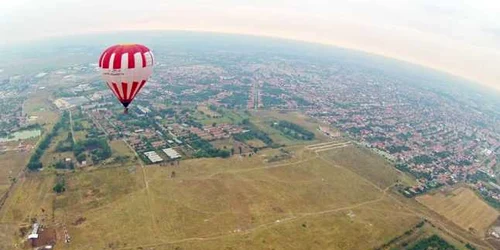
[{"x": 125, "y": 111}]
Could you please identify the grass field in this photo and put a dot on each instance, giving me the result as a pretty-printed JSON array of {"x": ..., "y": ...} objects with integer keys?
[
  {"x": 366, "y": 164},
  {"x": 238, "y": 203},
  {"x": 463, "y": 207},
  {"x": 40, "y": 106},
  {"x": 11, "y": 163}
]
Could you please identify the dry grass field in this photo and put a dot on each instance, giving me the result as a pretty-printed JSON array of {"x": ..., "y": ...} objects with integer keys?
[
  {"x": 364, "y": 163},
  {"x": 32, "y": 194},
  {"x": 40, "y": 106},
  {"x": 11, "y": 163},
  {"x": 463, "y": 207},
  {"x": 237, "y": 203}
]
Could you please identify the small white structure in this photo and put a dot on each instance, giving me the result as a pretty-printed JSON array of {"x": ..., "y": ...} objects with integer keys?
[
  {"x": 153, "y": 156},
  {"x": 34, "y": 232},
  {"x": 171, "y": 153}
]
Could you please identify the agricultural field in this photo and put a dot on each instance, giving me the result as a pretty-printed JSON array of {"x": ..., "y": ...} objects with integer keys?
[{"x": 463, "y": 207}]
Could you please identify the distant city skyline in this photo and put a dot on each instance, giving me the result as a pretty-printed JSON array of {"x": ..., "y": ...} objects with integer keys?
[{"x": 461, "y": 38}]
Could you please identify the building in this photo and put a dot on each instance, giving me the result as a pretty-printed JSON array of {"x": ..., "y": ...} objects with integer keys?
[
  {"x": 171, "y": 153},
  {"x": 153, "y": 156}
]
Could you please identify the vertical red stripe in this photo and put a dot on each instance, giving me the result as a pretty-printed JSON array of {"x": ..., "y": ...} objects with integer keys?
[
  {"x": 106, "y": 59},
  {"x": 131, "y": 60},
  {"x": 140, "y": 87},
  {"x": 133, "y": 90},
  {"x": 124, "y": 89},
  {"x": 117, "y": 62},
  {"x": 143, "y": 60},
  {"x": 117, "y": 92}
]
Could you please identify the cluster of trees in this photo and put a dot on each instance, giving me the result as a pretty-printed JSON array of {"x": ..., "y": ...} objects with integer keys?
[
  {"x": 236, "y": 100},
  {"x": 407, "y": 233},
  {"x": 204, "y": 148},
  {"x": 99, "y": 149},
  {"x": 294, "y": 130},
  {"x": 433, "y": 242},
  {"x": 60, "y": 186},
  {"x": 422, "y": 159},
  {"x": 34, "y": 162},
  {"x": 254, "y": 134},
  {"x": 269, "y": 89},
  {"x": 272, "y": 101},
  {"x": 64, "y": 165},
  {"x": 396, "y": 149}
]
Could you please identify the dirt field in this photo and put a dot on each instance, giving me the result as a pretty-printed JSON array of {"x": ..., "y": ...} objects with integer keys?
[{"x": 464, "y": 208}]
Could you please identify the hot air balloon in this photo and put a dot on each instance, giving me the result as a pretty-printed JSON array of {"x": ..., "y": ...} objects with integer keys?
[{"x": 126, "y": 68}]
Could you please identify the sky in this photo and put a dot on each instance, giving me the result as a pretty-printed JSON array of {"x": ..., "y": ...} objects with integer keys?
[{"x": 461, "y": 37}]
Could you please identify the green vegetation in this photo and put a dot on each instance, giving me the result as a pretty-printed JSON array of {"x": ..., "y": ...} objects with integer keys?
[
  {"x": 434, "y": 242},
  {"x": 236, "y": 100},
  {"x": 99, "y": 150},
  {"x": 272, "y": 101},
  {"x": 422, "y": 159},
  {"x": 34, "y": 162},
  {"x": 204, "y": 148},
  {"x": 396, "y": 149},
  {"x": 293, "y": 130},
  {"x": 301, "y": 101},
  {"x": 66, "y": 145},
  {"x": 60, "y": 186},
  {"x": 269, "y": 89},
  {"x": 253, "y": 133}
]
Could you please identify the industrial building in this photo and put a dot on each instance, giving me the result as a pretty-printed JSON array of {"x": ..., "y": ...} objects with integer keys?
[
  {"x": 171, "y": 153},
  {"x": 153, "y": 156}
]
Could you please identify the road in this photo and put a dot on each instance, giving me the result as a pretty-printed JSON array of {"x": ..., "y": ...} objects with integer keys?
[{"x": 71, "y": 126}]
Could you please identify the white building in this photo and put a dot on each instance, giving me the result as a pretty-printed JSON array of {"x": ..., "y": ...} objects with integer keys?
[
  {"x": 171, "y": 153},
  {"x": 153, "y": 156}
]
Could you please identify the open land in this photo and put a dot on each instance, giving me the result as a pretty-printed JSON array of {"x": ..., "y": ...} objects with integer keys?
[
  {"x": 463, "y": 207},
  {"x": 236, "y": 202}
]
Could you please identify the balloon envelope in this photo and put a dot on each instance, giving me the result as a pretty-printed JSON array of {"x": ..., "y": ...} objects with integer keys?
[{"x": 126, "y": 68}]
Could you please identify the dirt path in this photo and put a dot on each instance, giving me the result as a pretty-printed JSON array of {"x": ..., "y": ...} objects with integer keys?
[{"x": 146, "y": 185}]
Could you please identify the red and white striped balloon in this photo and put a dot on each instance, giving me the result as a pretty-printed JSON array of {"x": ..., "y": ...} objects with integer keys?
[{"x": 126, "y": 68}]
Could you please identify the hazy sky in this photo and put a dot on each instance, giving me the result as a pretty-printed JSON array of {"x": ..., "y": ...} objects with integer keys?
[{"x": 458, "y": 36}]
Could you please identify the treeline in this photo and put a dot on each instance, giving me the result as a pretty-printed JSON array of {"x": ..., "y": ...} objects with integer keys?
[
  {"x": 434, "y": 242},
  {"x": 399, "y": 237},
  {"x": 204, "y": 148},
  {"x": 253, "y": 133},
  {"x": 294, "y": 130},
  {"x": 34, "y": 162}
]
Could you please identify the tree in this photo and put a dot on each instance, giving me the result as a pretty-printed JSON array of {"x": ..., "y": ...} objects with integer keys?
[{"x": 59, "y": 187}]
